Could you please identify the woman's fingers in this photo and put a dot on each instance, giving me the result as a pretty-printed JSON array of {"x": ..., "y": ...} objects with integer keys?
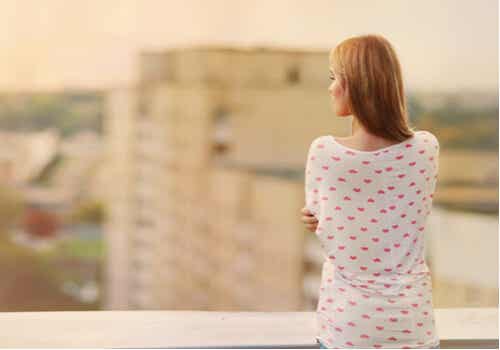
[
  {"x": 312, "y": 228},
  {"x": 305, "y": 211},
  {"x": 309, "y": 220},
  {"x": 310, "y": 223}
]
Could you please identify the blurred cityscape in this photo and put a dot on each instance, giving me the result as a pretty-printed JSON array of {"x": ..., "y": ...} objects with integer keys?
[
  {"x": 183, "y": 191},
  {"x": 51, "y": 170}
]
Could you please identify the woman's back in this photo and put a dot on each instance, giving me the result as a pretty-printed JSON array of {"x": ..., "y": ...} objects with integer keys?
[{"x": 372, "y": 208}]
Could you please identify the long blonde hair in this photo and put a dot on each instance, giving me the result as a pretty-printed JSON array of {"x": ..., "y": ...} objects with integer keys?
[{"x": 370, "y": 69}]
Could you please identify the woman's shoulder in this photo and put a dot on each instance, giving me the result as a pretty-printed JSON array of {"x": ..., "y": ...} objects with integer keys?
[
  {"x": 429, "y": 138},
  {"x": 319, "y": 139},
  {"x": 319, "y": 142}
]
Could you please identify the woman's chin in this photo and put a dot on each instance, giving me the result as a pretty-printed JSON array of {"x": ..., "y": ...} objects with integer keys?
[
  {"x": 339, "y": 113},
  {"x": 335, "y": 111}
]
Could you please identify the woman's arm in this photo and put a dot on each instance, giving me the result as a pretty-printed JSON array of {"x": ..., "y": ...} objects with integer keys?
[{"x": 313, "y": 177}]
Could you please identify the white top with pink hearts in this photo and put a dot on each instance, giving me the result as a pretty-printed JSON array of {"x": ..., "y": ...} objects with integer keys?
[{"x": 372, "y": 209}]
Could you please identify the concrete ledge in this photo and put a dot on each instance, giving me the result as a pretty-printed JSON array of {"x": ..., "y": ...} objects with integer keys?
[{"x": 457, "y": 327}]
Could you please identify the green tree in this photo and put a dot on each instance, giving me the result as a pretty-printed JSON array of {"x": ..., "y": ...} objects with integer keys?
[
  {"x": 11, "y": 207},
  {"x": 90, "y": 211}
]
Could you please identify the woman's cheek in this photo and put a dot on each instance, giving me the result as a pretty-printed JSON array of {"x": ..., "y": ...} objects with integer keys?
[{"x": 336, "y": 92}]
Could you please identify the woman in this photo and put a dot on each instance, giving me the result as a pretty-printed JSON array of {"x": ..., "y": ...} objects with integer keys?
[{"x": 367, "y": 200}]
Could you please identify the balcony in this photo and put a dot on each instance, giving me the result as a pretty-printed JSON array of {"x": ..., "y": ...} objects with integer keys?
[{"x": 459, "y": 328}]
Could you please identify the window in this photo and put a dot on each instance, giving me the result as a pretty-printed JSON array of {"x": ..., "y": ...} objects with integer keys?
[
  {"x": 222, "y": 131},
  {"x": 293, "y": 75}
]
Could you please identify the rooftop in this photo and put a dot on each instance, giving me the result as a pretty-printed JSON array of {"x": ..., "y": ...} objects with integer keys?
[{"x": 457, "y": 328}]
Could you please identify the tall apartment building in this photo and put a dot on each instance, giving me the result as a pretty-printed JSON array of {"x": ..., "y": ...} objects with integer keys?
[
  {"x": 207, "y": 153},
  {"x": 118, "y": 228}
]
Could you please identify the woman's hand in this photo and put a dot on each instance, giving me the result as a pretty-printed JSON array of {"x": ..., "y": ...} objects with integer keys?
[{"x": 309, "y": 220}]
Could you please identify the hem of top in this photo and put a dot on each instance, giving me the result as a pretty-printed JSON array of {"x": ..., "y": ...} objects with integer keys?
[{"x": 438, "y": 342}]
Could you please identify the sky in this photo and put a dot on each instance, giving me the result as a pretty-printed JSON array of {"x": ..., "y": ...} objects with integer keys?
[{"x": 54, "y": 44}]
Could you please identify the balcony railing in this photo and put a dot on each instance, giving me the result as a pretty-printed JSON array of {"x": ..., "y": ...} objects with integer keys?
[{"x": 457, "y": 327}]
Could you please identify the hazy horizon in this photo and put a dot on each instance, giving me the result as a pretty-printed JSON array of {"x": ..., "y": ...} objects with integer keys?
[{"x": 443, "y": 46}]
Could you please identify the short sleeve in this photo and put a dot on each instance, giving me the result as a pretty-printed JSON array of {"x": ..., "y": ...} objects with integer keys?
[{"x": 312, "y": 190}]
